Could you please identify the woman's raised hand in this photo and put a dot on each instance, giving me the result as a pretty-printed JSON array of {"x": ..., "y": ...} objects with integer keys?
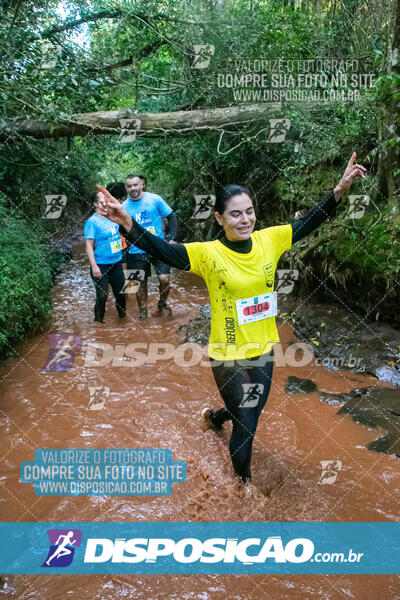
[
  {"x": 112, "y": 209},
  {"x": 353, "y": 171}
]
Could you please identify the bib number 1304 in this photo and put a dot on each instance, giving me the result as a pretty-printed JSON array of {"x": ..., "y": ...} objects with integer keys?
[{"x": 257, "y": 308}]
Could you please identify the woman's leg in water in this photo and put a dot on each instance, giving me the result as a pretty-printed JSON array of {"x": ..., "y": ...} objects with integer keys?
[
  {"x": 117, "y": 281},
  {"x": 101, "y": 286},
  {"x": 244, "y": 390}
]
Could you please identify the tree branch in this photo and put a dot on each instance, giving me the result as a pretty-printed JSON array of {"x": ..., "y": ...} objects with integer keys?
[
  {"x": 112, "y": 14},
  {"x": 144, "y": 53}
]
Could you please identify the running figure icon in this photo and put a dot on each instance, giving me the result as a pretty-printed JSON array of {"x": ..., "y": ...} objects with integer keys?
[{"x": 62, "y": 549}]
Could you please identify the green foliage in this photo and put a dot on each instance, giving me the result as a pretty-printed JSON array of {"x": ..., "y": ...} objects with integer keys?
[
  {"x": 371, "y": 246},
  {"x": 27, "y": 267}
]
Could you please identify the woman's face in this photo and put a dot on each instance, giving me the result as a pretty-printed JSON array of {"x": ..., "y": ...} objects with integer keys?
[
  {"x": 98, "y": 202},
  {"x": 238, "y": 218}
]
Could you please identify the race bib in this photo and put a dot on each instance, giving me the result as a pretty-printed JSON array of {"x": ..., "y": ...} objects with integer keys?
[
  {"x": 116, "y": 246},
  {"x": 257, "y": 308},
  {"x": 152, "y": 229}
]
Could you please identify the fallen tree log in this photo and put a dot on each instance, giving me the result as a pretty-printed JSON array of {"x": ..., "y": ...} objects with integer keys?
[{"x": 148, "y": 124}]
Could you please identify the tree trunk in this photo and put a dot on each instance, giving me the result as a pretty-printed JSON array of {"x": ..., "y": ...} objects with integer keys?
[
  {"x": 389, "y": 116},
  {"x": 148, "y": 124}
]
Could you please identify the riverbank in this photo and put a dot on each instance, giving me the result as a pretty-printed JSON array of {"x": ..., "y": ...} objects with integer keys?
[{"x": 341, "y": 338}]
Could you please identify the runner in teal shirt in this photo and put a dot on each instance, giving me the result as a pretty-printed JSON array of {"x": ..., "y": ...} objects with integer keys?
[{"x": 104, "y": 250}]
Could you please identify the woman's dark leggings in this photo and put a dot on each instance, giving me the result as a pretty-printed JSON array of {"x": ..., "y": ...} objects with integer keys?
[
  {"x": 244, "y": 386},
  {"x": 114, "y": 275}
]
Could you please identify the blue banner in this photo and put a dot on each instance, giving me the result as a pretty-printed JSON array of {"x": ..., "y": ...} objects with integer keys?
[{"x": 193, "y": 548}]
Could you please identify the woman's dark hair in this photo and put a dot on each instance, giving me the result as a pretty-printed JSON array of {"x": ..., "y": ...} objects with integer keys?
[
  {"x": 224, "y": 194},
  {"x": 117, "y": 189},
  {"x": 93, "y": 197}
]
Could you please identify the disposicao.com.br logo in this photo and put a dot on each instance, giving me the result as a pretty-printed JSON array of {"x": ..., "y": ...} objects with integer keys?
[{"x": 247, "y": 551}]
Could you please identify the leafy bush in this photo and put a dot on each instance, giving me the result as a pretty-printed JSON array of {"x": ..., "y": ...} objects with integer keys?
[{"x": 27, "y": 267}]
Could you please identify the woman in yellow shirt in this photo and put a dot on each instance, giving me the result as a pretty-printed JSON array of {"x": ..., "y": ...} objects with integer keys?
[{"x": 239, "y": 270}]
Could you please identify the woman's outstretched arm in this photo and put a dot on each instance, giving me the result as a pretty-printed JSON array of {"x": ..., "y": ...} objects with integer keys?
[
  {"x": 327, "y": 208},
  {"x": 313, "y": 218},
  {"x": 171, "y": 253}
]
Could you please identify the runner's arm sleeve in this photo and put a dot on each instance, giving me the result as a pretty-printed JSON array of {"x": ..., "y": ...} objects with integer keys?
[
  {"x": 314, "y": 217},
  {"x": 172, "y": 226},
  {"x": 174, "y": 255},
  {"x": 89, "y": 232}
]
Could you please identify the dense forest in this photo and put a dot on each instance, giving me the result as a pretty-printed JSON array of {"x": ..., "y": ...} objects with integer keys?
[{"x": 274, "y": 95}]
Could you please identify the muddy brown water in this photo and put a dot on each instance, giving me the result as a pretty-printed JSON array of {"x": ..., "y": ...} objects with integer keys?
[{"x": 158, "y": 406}]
